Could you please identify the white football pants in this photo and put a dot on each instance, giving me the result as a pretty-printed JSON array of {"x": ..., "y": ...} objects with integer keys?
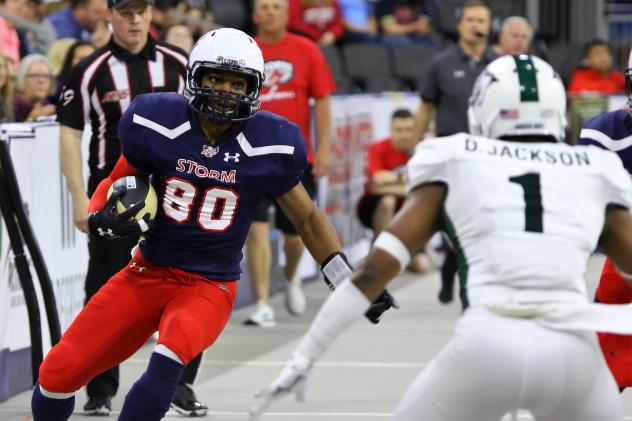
[{"x": 495, "y": 364}]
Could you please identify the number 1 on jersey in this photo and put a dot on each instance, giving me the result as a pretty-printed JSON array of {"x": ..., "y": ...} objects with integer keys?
[{"x": 530, "y": 183}]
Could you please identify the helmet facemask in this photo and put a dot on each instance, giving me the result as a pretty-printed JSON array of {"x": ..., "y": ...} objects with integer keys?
[{"x": 219, "y": 105}]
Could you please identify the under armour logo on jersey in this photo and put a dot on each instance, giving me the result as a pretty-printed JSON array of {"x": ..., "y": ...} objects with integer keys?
[
  {"x": 210, "y": 151},
  {"x": 136, "y": 267},
  {"x": 105, "y": 233},
  {"x": 228, "y": 157}
]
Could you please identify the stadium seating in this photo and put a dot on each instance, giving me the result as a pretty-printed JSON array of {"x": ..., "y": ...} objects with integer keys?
[
  {"x": 411, "y": 64},
  {"x": 230, "y": 13},
  {"x": 369, "y": 65},
  {"x": 564, "y": 58},
  {"x": 338, "y": 69}
]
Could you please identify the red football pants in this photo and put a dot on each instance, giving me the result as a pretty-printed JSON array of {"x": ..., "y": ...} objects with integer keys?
[
  {"x": 617, "y": 349},
  {"x": 188, "y": 310}
]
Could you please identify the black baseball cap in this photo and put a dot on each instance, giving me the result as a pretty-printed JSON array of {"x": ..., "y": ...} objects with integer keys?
[{"x": 115, "y": 4}]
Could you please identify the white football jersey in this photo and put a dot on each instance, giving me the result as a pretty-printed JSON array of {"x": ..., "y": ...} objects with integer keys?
[{"x": 523, "y": 218}]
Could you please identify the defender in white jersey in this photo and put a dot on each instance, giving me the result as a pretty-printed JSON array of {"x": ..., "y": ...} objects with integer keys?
[{"x": 524, "y": 214}]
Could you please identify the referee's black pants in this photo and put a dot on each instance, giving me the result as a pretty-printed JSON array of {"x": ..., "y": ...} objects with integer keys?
[{"x": 107, "y": 257}]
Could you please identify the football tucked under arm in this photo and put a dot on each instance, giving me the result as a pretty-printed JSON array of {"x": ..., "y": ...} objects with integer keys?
[
  {"x": 123, "y": 207},
  {"x": 100, "y": 195}
]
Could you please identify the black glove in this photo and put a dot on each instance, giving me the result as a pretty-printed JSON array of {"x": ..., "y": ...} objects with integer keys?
[
  {"x": 382, "y": 303},
  {"x": 109, "y": 224}
]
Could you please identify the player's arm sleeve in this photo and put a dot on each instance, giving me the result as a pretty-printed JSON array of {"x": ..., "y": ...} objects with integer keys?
[
  {"x": 429, "y": 162},
  {"x": 291, "y": 166},
  {"x": 134, "y": 140},
  {"x": 618, "y": 181},
  {"x": 74, "y": 105}
]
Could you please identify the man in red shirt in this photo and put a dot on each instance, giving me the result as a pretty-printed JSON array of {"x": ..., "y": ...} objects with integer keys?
[
  {"x": 598, "y": 75},
  {"x": 295, "y": 71},
  {"x": 320, "y": 20},
  {"x": 385, "y": 190}
]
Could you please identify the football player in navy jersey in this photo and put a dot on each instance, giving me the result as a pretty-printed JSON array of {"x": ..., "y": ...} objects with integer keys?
[
  {"x": 212, "y": 157},
  {"x": 613, "y": 131}
]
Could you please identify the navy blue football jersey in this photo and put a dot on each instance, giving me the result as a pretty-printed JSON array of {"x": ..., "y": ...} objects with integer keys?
[
  {"x": 207, "y": 194},
  {"x": 613, "y": 131}
]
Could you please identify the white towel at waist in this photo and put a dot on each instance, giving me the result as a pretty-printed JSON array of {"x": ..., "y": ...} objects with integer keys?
[{"x": 611, "y": 318}]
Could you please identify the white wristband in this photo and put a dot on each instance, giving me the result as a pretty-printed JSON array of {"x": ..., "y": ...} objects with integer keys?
[
  {"x": 337, "y": 270},
  {"x": 393, "y": 246},
  {"x": 143, "y": 225},
  {"x": 343, "y": 307}
]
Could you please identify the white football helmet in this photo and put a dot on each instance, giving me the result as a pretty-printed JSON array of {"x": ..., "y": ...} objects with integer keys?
[
  {"x": 228, "y": 50},
  {"x": 518, "y": 95}
]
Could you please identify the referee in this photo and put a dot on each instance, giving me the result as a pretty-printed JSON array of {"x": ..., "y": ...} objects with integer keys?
[{"x": 99, "y": 90}]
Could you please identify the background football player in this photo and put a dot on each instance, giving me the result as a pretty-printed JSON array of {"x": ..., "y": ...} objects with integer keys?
[{"x": 612, "y": 131}]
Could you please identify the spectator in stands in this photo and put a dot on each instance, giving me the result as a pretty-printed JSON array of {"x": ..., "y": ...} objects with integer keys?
[
  {"x": 446, "y": 92},
  {"x": 358, "y": 17},
  {"x": 295, "y": 71},
  {"x": 79, "y": 19},
  {"x": 40, "y": 33},
  {"x": 385, "y": 190},
  {"x": 34, "y": 84},
  {"x": 101, "y": 35},
  {"x": 404, "y": 22},
  {"x": 11, "y": 44},
  {"x": 198, "y": 18},
  {"x": 161, "y": 18},
  {"x": 58, "y": 52},
  {"x": 319, "y": 20},
  {"x": 515, "y": 36},
  {"x": 597, "y": 73},
  {"x": 77, "y": 51},
  {"x": 6, "y": 89},
  {"x": 179, "y": 35}
]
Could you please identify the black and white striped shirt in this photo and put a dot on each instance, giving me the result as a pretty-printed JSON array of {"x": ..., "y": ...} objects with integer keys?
[{"x": 101, "y": 87}]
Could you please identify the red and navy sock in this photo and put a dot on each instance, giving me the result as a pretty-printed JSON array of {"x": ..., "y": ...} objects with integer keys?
[
  {"x": 50, "y": 409},
  {"x": 151, "y": 395}
]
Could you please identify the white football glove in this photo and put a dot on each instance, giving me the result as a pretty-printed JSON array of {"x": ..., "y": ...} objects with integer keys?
[{"x": 292, "y": 379}]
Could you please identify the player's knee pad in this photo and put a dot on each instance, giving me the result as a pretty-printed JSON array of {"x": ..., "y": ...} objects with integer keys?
[
  {"x": 188, "y": 343},
  {"x": 57, "y": 374},
  {"x": 192, "y": 338},
  {"x": 62, "y": 371}
]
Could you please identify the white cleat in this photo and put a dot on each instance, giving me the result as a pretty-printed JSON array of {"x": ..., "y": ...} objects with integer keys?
[
  {"x": 263, "y": 316},
  {"x": 295, "y": 298}
]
